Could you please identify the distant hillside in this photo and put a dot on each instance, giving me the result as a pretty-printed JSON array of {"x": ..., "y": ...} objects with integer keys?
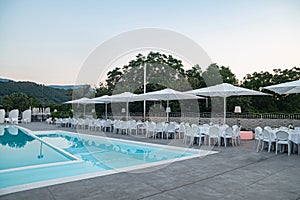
[
  {"x": 67, "y": 87},
  {"x": 44, "y": 93},
  {"x": 5, "y": 80}
]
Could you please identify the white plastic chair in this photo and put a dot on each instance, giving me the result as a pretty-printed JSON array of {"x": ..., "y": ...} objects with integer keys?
[
  {"x": 86, "y": 123},
  {"x": 181, "y": 130},
  {"x": 223, "y": 127},
  {"x": 2, "y": 130},
  {"x": 282, "y": 138},
  {"x": 35, "y": 111},
  {"x": 26, "y": 116},
  {"x": 108, "y": 125},
  {"x": 124, "y": 126},
  {"x": 213, "y": 133},
  {"x": 47, "y": 112},
  {"x": 142, "y": 127},
  {"x": 49, "y": 120},
  {"x": 267, "y": 138},
  {"x": 102, "y": 124},
  {"x": 2, "y": 116},
  {"x": 133, "y": 127},
  {"x": 188, "y": 135},
  {"x": 258, "y": 137},
  {"x": 117, "y": 126},
  {"x": 228, "y": 135},
  {"x": 160, "y": 129},
  {"x": 151, "y": 130},
  {"x": 237, "y": 133},
  {"x": 97, "y": 125},
  {"x": 170, "y": 129},
  {"x": 74, "y": 123},
  {"x": 92, "y": 125},
  {"x": 14, "y": 116},
  {"x": 64, "y": 122},
  {"x": 80, "y": 123},
  {"x": 197, "y": 134}
]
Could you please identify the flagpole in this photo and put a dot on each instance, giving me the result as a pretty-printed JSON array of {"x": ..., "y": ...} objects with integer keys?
[{"x": 145, "y": 90}]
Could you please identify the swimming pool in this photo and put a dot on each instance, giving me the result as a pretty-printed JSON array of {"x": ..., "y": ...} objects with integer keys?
[
  {"x": 56, "y": 157},
  {"x": 20, "y": 150}
]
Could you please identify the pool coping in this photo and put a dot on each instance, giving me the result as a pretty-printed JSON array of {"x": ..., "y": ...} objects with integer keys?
[{"x": 39, "y": 184}]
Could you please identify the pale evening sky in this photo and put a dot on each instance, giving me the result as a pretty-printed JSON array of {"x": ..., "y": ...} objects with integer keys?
[{"x": 48, "y": 41}]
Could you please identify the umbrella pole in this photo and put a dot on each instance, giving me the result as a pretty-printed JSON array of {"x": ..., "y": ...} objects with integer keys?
[
  {"x": 144, "y": 110},
  {"x": 127, "y": 110},
  {"x": 166, "y": 110},
  {"x": 224, "y": 120},
  {"x": 84, "y": 111},
  {"x": 106, "y": 110}
]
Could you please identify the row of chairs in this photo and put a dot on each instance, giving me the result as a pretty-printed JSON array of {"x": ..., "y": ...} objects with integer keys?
[
  {"x": 161, "y": 129},
  {"x": 267, "y": 136},
  {"x": 149, "y": 129},
  {"x": 215, "y": 133},
  {"x": 13, "y": 116},
  {"x": 189, "y": 133},
  {"x": 90, "y": 124}
]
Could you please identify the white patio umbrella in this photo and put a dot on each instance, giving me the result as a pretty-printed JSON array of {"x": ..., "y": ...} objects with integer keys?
[
  {"x": 224, "y": 90},
  {"x": 285, "y": 88},
  {"x": 84, "y": 101},
  {"x": 123, "y": 97},
  {"x": 166, "y": 95},
  {"x": 103, "y": 99}
]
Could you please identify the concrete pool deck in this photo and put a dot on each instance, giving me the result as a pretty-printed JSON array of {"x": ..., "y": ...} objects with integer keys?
[{"x": 233, "y": 173}]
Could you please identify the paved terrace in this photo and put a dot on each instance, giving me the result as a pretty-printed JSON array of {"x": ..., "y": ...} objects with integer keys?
[{"x": 233, "y": 173}]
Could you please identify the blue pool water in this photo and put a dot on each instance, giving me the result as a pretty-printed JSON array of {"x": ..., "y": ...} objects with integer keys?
[
  {"x": 110, "y": 154},
  {"x": 21, "y": 150},
  {"x": 94, "y": 155}
]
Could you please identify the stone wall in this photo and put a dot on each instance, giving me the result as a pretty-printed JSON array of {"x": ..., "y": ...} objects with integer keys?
[{"x": 248, "y": 124}]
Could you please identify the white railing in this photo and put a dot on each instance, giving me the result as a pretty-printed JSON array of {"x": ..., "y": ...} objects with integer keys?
[{"x": 295, "y": 116}]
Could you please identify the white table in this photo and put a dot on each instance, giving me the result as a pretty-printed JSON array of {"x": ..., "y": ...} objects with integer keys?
[{"x": 294, "y": 136}]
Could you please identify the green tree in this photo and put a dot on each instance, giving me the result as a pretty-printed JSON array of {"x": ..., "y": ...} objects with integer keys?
[
  {"x": 194, "y": 76},
  {"x": 286, "y": 103},
  {"x": 276, "y": 102},
  {"x": 62, "y": 110},
  {"x": 102, "y": 90},
  {"x": 228, "y": 76},
  {"x": 281, "y": 76},
  {"x": 161, "y": 69},
  {"x": 19, "y": 101},
  {"x": 166, "y": 71},
  {"x": 257, "y": 80},
  {"x": 214, "y": 75},
  {"x": 113, "y": 78}
]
